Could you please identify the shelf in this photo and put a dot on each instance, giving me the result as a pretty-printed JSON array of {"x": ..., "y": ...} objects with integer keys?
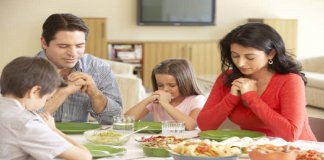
[{"x": 125, "y": 52}]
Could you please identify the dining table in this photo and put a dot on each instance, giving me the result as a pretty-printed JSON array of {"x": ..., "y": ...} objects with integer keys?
[{"x": 134, "y": 150}]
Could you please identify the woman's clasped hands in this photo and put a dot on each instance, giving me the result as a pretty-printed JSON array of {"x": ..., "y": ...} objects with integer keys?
[{"x": 243, "y": 85}]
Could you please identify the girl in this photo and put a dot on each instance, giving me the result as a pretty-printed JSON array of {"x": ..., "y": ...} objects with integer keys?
[{"x": 176, "y": 94}]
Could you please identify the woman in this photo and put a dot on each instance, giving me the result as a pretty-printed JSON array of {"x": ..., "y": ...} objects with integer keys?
[{"x": 261, "y": 88}]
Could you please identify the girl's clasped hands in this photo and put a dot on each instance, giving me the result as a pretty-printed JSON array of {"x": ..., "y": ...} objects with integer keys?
[{"x": 161, "y": 97}]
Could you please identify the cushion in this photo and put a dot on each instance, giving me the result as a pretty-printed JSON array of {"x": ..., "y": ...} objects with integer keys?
[{"x": 315, "y": 80}]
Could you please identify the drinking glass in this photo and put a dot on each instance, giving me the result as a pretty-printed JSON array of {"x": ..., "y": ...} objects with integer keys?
[
  {"x": 123, "y": 124},
  {"x": 173, "y": 128}
]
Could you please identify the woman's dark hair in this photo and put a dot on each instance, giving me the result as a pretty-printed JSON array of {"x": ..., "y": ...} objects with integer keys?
[
  {"x": 62, "y": 22},
  {"x": 23, "y": 73},
  {"x": 182, "y": 71},
  {"x": 262, "y": 37}
]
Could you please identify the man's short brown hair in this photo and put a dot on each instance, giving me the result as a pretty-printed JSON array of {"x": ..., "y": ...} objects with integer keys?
[{"x": 62, "y": 22}]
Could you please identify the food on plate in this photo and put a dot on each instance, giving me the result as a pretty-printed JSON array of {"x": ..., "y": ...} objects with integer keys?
[
  {"x": 259, "y": 141},
  {"x": 287, "y": 152},
  {"x": 204, "y": 148},
  {"x": 243, "y": 142},
  {"x": 272, "y": 152},
  {"x": 310, "y": 155},
  {"x": 229, "y": 134},
  {"x": 247, "y": 142},
  {"x": 106, "y": 137},
  {"x": 160, "y": 141},
  {"x": 229, "y": 140},
  {"x": 276, "y": 155}
]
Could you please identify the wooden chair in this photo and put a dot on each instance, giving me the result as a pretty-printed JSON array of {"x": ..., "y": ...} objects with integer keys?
[{"x": 317, "y": 125}]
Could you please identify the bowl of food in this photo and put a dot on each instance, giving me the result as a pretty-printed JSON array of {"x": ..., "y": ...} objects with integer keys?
[
  {"x": 157, "y": 146},
  {"x": 106, "y": 137},
  {"x": 272, "y": 152}
]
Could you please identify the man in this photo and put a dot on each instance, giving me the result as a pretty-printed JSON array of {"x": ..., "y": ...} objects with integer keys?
[{"x": 92, "y": 87}]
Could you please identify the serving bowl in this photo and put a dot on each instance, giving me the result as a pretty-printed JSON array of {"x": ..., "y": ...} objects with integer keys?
[
  {"x": 157, "y": 146},
  {"x": 106, "y": 137},
  {"x": 155, "y": 152}
]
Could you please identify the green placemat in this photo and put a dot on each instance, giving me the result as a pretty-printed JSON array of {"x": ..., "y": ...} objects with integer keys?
[
  {"x": 222, "y": 134},
  {"x": 154, "y": 127},
  {"x": 99, "y": 151},
  {"x": 75, "y": 127}
]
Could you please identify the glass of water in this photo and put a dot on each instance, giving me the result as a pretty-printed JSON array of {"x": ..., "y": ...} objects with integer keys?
[
  {"x": 123, "y": 124},
  {"x": 173, "y": 128}
]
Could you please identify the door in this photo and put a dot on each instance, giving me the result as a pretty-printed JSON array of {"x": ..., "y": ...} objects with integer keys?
[
  {"x": 154, "y": 53},
  {"x": 96, "y": 43},
  {"x": 204, "y": 57},
  {"x": 287, "y": 28}
]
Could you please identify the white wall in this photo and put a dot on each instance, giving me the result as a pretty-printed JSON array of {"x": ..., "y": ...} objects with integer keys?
[{"x": 21, "y": 22}]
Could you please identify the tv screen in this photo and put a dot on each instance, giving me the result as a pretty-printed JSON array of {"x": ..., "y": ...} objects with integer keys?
[{"x": 176, "y": 12}]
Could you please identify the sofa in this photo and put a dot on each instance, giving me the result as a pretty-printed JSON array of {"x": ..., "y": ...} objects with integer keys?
[
  {"x": 314, "y": 71},
  {"x": 131, "y": 88}
]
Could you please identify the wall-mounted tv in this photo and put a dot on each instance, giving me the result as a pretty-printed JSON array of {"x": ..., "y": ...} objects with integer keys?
[{"x": 176, "y": 12}]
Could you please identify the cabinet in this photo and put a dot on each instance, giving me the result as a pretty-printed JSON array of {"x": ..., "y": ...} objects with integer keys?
[
  {"x": 287, "y": 28},
  {"x": 96, "y": 40},
  {"x": 204, "y": 56}
]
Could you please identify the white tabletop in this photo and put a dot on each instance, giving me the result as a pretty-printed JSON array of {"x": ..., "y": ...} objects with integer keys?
[{"x": 135, "y": 152}]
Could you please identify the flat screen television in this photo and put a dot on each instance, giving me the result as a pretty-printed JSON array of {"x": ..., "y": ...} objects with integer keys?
[{"x": 176, "y": 12}]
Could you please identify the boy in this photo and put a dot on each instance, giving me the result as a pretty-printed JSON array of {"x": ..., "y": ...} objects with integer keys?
[{"x": 26, "y": 84}]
